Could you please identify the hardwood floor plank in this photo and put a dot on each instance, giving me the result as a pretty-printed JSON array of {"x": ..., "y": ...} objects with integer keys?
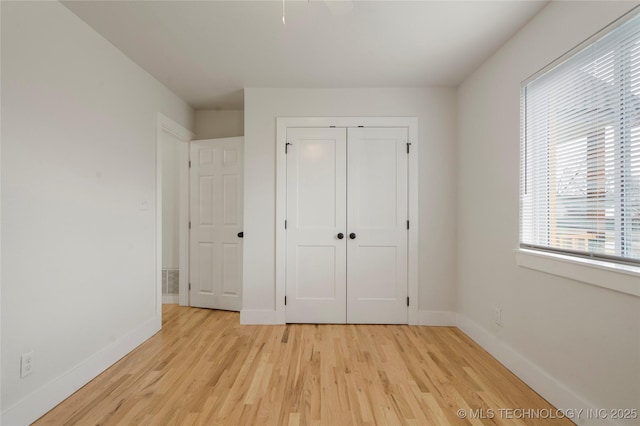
[{"x": 204, "y": 368}]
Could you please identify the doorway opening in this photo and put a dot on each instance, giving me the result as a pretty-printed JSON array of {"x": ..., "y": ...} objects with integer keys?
[{"x": 172, "y": 219}]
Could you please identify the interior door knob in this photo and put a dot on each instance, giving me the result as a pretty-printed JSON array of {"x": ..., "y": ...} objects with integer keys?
[
  {"x": 340, "y": 236},
  {"x": 241, "y": 234},
  {"x": 352, "y": 236}
]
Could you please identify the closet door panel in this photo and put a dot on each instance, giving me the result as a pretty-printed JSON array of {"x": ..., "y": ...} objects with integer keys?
[
  {"x": 316, "y": 214},
  {"x": 377, "y": 220}
]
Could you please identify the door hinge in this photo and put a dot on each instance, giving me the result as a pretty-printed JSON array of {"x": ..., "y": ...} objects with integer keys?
[
  {"x": 285, "y": 301},
  {"x": 189, "y": 163},
  {"x": 408, "y": 147},
  {"x": 285, "y": 224},
  {"x": 407, "y": 224},
  {"x": 407, "y": 301},
  {"x": 286, "y": 147},
  {"x": 189, "y": 286},
  {"x": 189, "y": 224}
]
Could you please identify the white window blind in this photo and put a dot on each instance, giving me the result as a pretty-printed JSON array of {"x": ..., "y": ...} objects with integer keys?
[{"x": 580, "y": 149}]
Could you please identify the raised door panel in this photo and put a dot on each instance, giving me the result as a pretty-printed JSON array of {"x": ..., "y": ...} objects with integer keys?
[
  {"x": 316, "y": 214},
  {"x": 377, "y": 218},
  {"x": 216, "y": 219}
]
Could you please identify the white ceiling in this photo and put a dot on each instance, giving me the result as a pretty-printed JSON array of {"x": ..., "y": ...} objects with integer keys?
[{"x": 208, "y": 51}]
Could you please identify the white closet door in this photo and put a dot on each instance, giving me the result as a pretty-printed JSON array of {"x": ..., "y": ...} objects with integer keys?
[
  {"x": 316, "y": 215},
  {"x": 216, "y": 185},
  {"x": 377, "y": 226}
]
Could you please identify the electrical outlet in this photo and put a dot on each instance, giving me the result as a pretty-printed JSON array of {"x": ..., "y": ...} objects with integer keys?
[
  {"x": 26, "y": 364},
  {"x": 498, "y": 316}
]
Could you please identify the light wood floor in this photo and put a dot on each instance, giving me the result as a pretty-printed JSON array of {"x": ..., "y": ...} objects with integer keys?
[{"x": 205, "y": 368}]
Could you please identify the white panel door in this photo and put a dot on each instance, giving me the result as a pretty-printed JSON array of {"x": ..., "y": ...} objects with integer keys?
[
  {"x": 316, "y": 226},
  {"x": 377, "y": 225},
  {"x": 216, "y": 197}
]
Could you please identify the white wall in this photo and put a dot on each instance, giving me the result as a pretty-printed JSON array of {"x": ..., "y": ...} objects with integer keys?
[
  {"x": 435, "y": 109},
  {"x": 210, "y": 124},
  {"x": 585, "y": 338},
  {"x": 171, "y": 148},
  {"x": 79, "y": 282}
]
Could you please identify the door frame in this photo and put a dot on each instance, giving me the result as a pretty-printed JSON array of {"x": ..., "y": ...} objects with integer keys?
[
  {"x": 282, "y": 124},
  {"x": 166, "y": 125}
]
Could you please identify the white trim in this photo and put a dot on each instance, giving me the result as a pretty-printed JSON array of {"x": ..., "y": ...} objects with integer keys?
[
  {"x": 282, "y": 123},
  {"x": 43, "y": 399},
  {"x": 170, "y": 299},
  {"x": 281, "y": 214},
  {"x": 437, "y": 318},
  {"x": 259, "y": 317},
  {"x": 165, "y": 124},
  {"x": 170, "y": 126},
  {"x": 554, "y": 391},
  {"x": 413, "y": 242},
  {"x": 0, "y": 226},
  {"x": 183, "y": 221},
  {"x": 610, "y": 275}
]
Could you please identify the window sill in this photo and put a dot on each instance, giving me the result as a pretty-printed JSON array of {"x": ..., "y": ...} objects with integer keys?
[{"x": 610, "y": 275}]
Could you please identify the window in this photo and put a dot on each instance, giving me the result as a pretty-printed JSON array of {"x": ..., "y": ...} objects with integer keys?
[{"x": 580, "y": 149}]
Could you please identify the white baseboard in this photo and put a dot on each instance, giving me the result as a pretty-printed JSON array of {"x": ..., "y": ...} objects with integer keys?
[
  {"x": 267, "y": 317},
  {"x": 170, "y": 299},
  {"x": 43, "y": 399},
  {"x": 259, "y": 317},
  {"x": 437, "y": 318},
  {"x": 557, "y": 393}
]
